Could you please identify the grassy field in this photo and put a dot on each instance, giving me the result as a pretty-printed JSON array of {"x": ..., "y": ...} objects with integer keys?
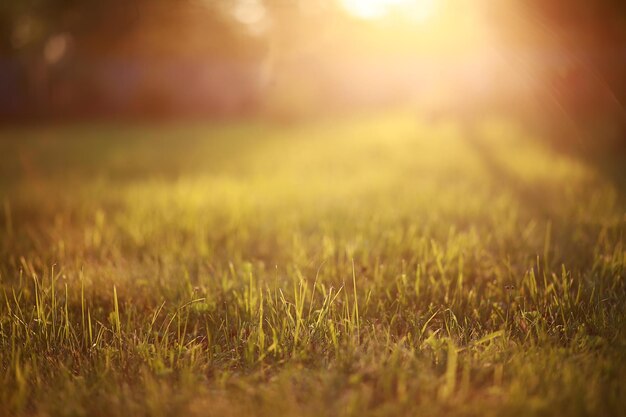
[{"x": 367, "y": 267}]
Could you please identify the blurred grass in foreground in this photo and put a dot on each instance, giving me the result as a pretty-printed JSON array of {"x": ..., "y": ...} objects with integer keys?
[{"x": 367, "y": 267}]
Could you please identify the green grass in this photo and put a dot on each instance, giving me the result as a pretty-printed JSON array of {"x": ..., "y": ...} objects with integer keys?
[{"x": 375, "y": 267}]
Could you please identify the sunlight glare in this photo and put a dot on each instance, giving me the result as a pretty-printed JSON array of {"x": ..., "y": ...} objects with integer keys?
[{"x": 416, "y": 10}]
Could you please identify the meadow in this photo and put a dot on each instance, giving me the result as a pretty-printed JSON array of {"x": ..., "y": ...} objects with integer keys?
[{"x": 368, "y": 266}]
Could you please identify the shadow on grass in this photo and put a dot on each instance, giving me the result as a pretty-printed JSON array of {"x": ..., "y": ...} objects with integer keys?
[
  {"x": 612, "y": 166},
  {"x": 608, "y": 162},
  {"x": 535, "y": 199},
  {"x": 542, "y": 202}
]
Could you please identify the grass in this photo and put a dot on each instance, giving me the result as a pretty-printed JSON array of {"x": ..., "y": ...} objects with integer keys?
[{"x": 375, "y": 267}]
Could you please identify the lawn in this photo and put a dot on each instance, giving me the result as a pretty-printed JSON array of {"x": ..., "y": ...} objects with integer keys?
[{"x": 369, "y": 266}]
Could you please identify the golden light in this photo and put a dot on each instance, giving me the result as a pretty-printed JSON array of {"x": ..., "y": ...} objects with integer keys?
[{"x": 416, "y": 10}]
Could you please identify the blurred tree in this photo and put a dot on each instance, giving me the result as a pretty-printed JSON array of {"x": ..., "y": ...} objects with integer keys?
[
  {"x": 101, "y": 27},
  {"x": 54, "y": 54},
  {"x": 580, "y": 47}
]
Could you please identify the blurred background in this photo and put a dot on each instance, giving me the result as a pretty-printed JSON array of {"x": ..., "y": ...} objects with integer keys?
[{"x": 554, "y": 66}]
